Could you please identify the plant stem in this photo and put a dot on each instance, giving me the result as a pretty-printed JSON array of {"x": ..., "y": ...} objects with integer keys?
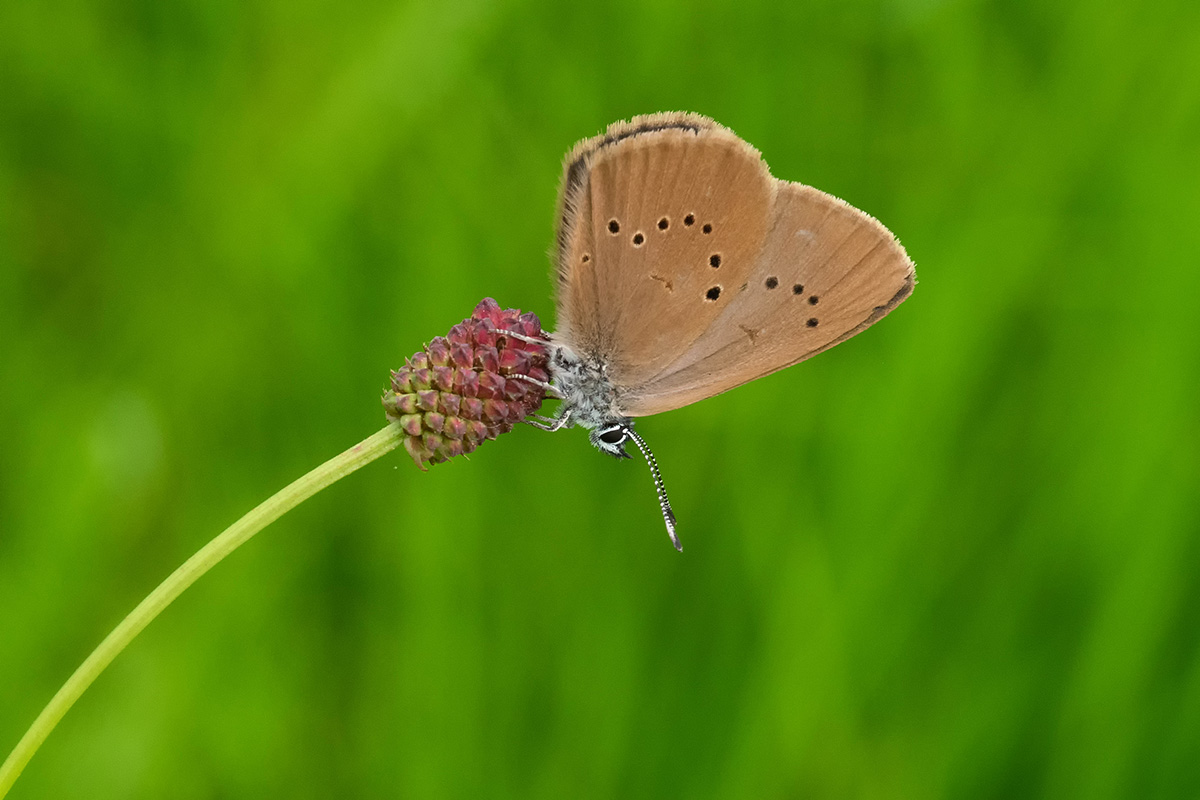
[{"x": 208, "y": 557}]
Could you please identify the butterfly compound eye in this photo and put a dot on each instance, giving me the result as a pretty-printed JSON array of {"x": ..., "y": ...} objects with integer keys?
[{"x": 613, "y": 436}]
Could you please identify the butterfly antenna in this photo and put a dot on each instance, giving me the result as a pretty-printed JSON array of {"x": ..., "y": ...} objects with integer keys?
[{"x": 663, "y": 501}]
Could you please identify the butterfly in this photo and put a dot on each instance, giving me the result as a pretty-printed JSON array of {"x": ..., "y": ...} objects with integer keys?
[{"x": 684, "y": 269}]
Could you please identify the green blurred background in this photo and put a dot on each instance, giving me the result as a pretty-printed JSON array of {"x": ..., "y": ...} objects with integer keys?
[{"x": 954, "y": 557}]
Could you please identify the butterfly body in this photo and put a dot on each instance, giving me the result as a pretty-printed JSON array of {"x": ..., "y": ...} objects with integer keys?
[
  {"x": 684, "y": 269},
  {"x": 590, "y": 399}
]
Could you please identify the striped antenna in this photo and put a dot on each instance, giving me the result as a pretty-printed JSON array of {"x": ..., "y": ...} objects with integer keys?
[{"x": 663, "y": 500}]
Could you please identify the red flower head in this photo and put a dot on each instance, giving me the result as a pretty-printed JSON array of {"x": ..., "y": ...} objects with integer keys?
[{"x": 467, "y": 387}]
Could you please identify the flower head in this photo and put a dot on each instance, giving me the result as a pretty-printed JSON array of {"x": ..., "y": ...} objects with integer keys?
[{"x": 468, "y": 386}]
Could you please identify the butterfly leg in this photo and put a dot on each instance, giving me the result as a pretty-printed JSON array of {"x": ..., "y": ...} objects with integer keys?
[
  {"x": 549, "y": 423},
  {"x": 548, "y": 388},
  {"x": 522, "y": 337}
]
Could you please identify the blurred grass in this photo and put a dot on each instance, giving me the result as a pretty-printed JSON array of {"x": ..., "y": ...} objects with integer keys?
[{"x": 954, "y": 557}]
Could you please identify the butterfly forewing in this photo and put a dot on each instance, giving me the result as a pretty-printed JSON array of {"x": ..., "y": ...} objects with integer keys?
[
  {"x": 688, "y": 270},
  {"x": 663, "y": 226}
]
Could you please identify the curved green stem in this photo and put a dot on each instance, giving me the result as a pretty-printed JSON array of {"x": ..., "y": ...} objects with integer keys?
[{"x": 208, "y": 557}]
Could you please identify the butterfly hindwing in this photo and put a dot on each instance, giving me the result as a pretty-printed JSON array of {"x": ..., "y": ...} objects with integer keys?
[{"x": 826, "y": 272}]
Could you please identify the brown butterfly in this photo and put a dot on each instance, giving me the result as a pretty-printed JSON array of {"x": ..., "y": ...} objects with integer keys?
[{"x": 685, "y": 269}]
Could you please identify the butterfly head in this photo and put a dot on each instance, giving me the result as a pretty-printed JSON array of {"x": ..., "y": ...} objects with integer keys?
[{"x": 611, "y": 437}]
